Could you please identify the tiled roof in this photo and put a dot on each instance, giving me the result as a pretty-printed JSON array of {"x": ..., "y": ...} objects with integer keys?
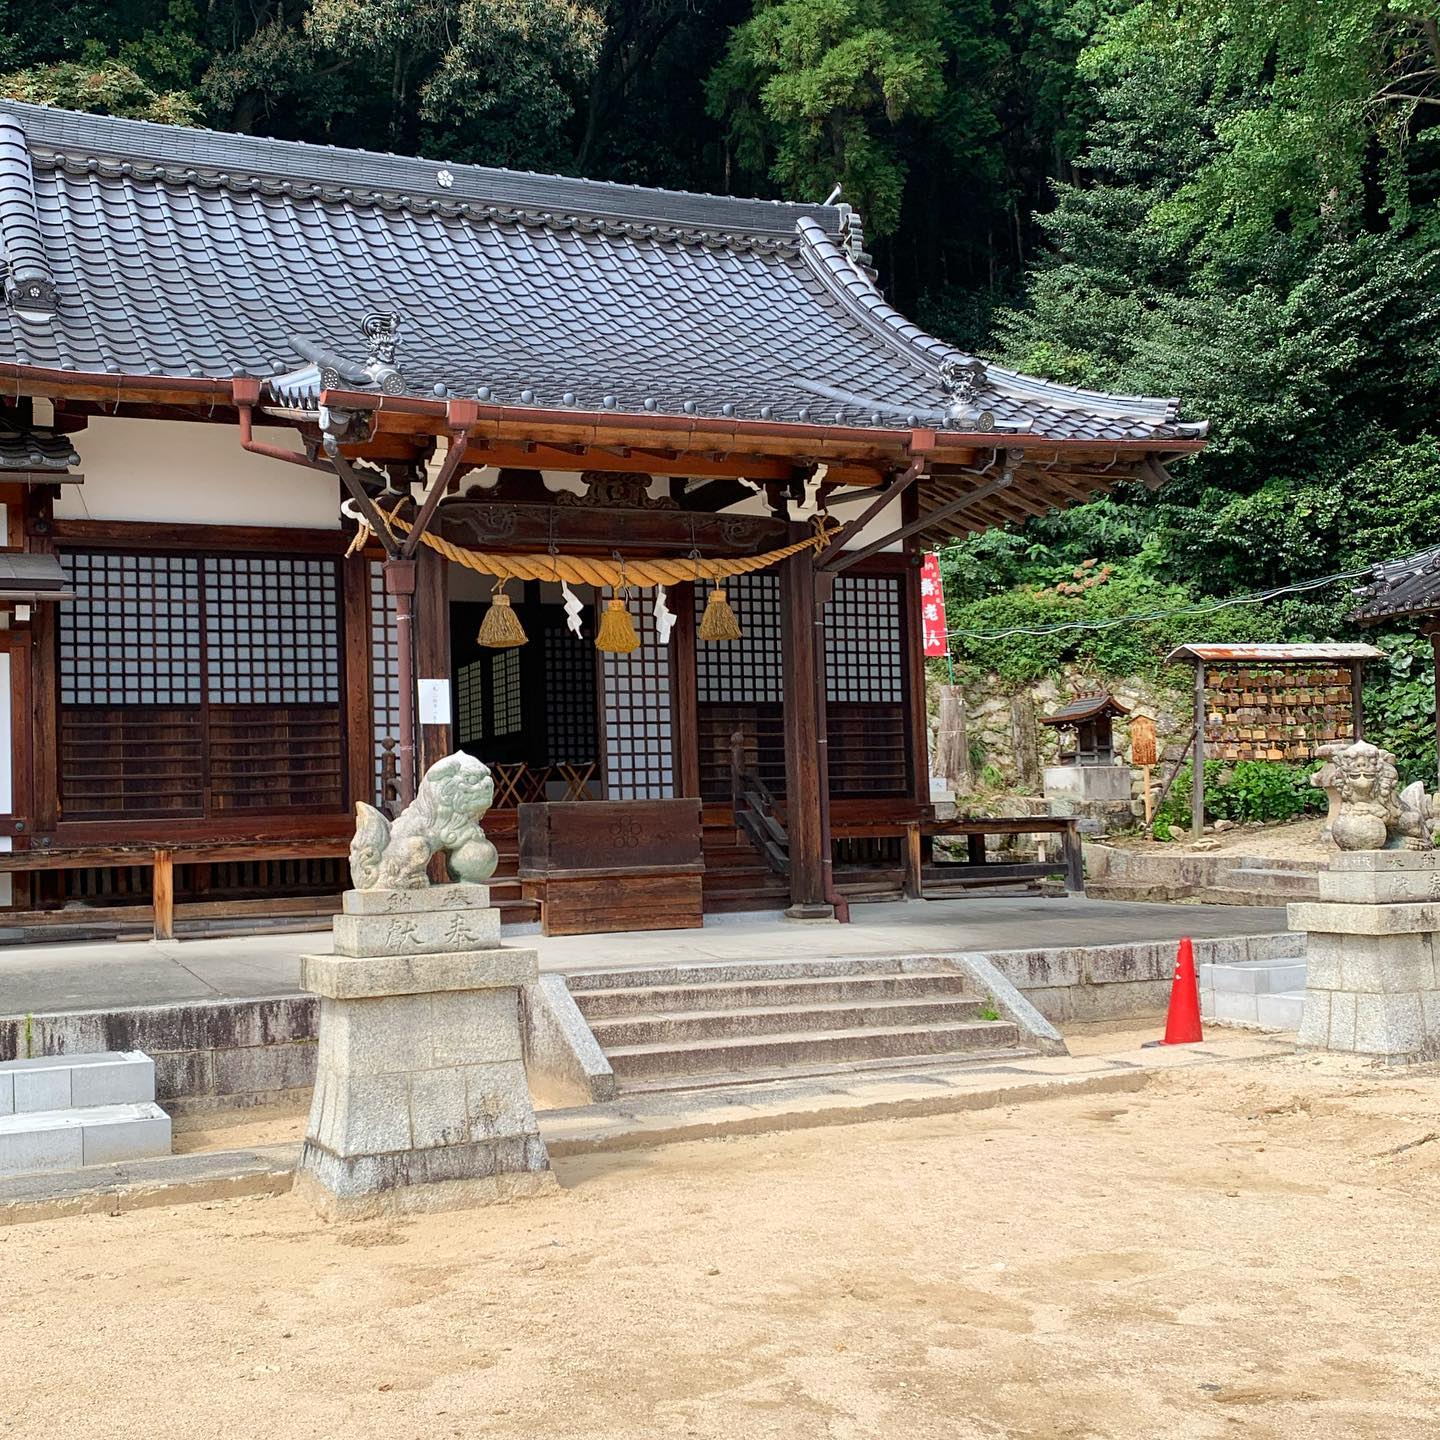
[
  {"x": 185, "y": 253},
  {"x": 1402, "y": 587},
  {"x": 38, "y": 449},
  {"x": 1085, "y": 707}
]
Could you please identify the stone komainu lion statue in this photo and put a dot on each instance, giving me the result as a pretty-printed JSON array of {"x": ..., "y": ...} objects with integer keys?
[
  {"x": 444, "y": 816},
  {"x": 1368, "y": 809}
]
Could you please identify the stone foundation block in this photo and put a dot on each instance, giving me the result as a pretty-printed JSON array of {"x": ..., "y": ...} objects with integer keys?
[
  {"x": 1384, "y": 887},
  {"x": 1374, "y": 964},
  {"x": 421, "y": 1101},
  {"x": 345, "y": 977},
  {"x": 1364, "y": 919},
  {"x": 416, "y": 902},
  {"x": 426, "y": 932}
]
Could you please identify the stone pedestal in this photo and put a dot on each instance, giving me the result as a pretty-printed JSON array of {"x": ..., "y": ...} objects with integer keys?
[
  {"x": 1372, "y": 985},
  {"x": 1088, "y": 784},
  {"x": 421, "y": 1101}
]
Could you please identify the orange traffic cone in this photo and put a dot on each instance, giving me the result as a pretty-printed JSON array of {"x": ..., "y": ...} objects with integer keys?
[{"x": 1182, "y": 1023}]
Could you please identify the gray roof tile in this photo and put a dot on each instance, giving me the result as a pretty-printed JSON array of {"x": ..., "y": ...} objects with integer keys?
[{"x": 182, "y": 252}]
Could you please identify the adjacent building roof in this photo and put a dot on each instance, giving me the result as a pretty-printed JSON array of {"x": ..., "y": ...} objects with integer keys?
[
  {"x": 1401, "y": 587},
  {"x": 1086, "y": 707},
  {"x": 39, "y": 450},
  {"x": 145, "y": 250},
  {"x": 27, "y": 577},
  {"x": 1302, "y": 654}
]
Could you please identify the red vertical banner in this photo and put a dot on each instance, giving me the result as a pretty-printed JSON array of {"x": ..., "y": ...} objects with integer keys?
[{"x": 932, "y": 608}]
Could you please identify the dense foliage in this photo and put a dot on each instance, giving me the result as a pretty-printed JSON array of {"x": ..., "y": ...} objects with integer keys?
[
  {"x": 1245, "y": 792},
  {"x": 1234, "y": 201}
]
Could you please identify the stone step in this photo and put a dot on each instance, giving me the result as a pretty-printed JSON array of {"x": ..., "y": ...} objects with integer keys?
[
  {"x": 733, "y": 1055},
  {"x": 94, "y": 1135},
  {"x": 1277, "y": 880},
  {"x": 803, "y": 990},
  {"x": 685, "y": 1027},
  {"x": 1253, "y": 977},
  {"x": 65, "y": 1082},
  {"x": 1289, "y": 864},
  {"x": 884, "y": 1065},
  {"x": 718, "y": 972}
]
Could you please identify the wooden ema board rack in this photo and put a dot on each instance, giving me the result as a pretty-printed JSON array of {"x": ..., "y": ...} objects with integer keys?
[
  {"x": 1275, "y": 714},
  {"x": 600, "y": 866}
]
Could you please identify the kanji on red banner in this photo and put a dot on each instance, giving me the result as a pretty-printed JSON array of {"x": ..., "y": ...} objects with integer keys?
[{"x": 932, "y": 608}]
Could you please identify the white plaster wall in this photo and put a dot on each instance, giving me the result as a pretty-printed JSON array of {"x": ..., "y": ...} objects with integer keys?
[
  {"x": 187, "y": 473},
  {"x": 886, "y": 521}
]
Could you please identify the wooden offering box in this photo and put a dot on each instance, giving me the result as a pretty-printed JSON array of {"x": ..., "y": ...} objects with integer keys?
[{"x": 598, "y": 865}]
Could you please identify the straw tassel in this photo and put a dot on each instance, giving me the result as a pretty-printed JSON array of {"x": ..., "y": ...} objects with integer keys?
[
  {"x": 718, "y": 622},
  {"x": 501, "y": 628},
  {"x": 617, "y": 630}
]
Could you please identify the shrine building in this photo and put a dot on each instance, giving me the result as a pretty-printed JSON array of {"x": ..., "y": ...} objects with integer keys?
[{"x": 299, "y": 443}]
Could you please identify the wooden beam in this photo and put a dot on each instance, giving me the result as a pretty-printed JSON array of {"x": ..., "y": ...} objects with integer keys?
[
  {"x": 923, "y": 522},
  {"x": 163, "y": 894},
  {"x": 881, "y": 502}
]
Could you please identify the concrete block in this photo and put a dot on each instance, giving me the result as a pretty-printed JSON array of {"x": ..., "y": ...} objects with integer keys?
[
  {"x": 1281, "y": 1011},
  {"x": 368, "y": 1114},
  {"x": 343, "y": 977},
  {"x": 1083, "y": 783},
  {"x": 1039, "y": 969},
  {"x": 1125, "y": 964},
  {"x": 416, "y": 902},
  {"x": 1235, "y": 1007},
  {"x": 124, "y": 1080},
  {"x": 140, "y": 1132},
  {"x": 39, "y": 1141},
  {"x": 1253, "y": 978},
  {"x": 7, "y": 1094},
  {"x": 1315, "y": 915},
  {"x": 431, "y": 932},
  {"x": 46, "y": 1088},
  {"x": 1015, "y": 1006}
]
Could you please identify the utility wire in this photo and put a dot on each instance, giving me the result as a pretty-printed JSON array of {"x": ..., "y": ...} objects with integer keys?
[{"x": 1301, "y": 587}]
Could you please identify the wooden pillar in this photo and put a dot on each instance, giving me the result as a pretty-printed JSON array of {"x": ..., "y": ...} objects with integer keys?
[
  {"x": 684, "y": 707},
  {"x": 400, "y": 583},
  {"x": 805, "y": 771},
  {"x": 432, "y": 648},
  {"x": 1197, "y": 763},
  {"x": 162, "y": 894},
  {"x": 359, "y": 701},
  {"x": 1357, "y": 699}
]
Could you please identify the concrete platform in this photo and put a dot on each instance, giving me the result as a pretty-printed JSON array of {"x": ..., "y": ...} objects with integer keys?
[{"x": 86, "y": 975}]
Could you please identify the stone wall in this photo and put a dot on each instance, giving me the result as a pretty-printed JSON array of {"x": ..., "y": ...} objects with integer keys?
[{"x": 994, "y": 715}]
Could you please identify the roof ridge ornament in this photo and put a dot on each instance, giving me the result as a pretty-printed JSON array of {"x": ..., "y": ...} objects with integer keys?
[
  {"x": 380, "y": 328},
  {"x": 964, "y": 380}
]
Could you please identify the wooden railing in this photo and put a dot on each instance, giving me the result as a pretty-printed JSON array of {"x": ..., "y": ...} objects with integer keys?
[{"x": 754, "y": 808}]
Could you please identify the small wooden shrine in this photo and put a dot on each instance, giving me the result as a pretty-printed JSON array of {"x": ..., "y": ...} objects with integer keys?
[{"x": 1092, "y": 718}]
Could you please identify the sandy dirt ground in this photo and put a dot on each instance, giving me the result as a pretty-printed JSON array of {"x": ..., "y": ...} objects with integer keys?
[
  {"x": 1241, "y": 1250},
  {"x": 1299, "y": 840}
]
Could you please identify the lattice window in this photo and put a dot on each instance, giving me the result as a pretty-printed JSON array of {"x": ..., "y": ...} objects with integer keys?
[
  {"x": 384, "y": 675},
  {"x": 639, "y": 746},
  {"x": 505, "y": 714},
  {"x": 864, "y": 655},
  {"x": 132, "y": 635},
  {"x": 569, "y": 698},
  {"x": 470, "y": 703},
  {"x": 272, "y": 631},
  {"x": 199, "y": 686},
  {"x": 747, "y": 669}
]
